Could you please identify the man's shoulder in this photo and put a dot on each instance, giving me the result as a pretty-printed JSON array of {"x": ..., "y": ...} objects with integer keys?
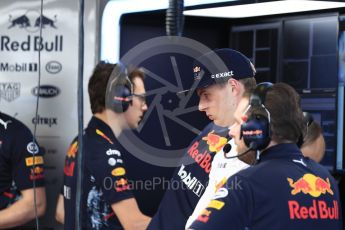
[
  {"x": 98, "y": 135},
  {"x": 12, "y": 126}
]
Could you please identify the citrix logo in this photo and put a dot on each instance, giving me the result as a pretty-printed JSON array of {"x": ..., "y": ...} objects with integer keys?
[{"x": 50, "y": 121}]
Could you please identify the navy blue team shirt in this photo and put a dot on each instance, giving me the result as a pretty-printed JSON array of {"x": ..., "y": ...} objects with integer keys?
[
  {"x": 18, "y": 152},
  {"x": 191, "y": 177},
  {"x": 283, "y": 191},
  {"x": 105, "y": 181}
]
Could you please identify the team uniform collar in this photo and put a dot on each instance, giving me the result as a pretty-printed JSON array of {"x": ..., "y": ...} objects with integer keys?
[
  {"x": 99, "y": 124},
  {"x": 280, "y": 151}
]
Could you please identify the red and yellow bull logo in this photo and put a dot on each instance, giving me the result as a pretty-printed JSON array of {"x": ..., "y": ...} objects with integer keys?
[
  {"x": 310, "y": 184},
  {"x": 72, "y": 151},
  {"x": 215, "y": 142},
  {"x": 318, "y": 209},
  {"x": 121, "y": 182},
  {"x": 121, "y": 185},
  {"x": 37, "y": 170},
  {"x": 99, "y": 132},
  {"x": 37, "y": 173}
]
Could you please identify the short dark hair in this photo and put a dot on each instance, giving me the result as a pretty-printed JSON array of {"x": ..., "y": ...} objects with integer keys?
[
  {"x": 314, "y": 130},
  {"x": 249, "y": 84},
  {"x": 98, "y": 82},
  {"x": 286, "y": 116}
]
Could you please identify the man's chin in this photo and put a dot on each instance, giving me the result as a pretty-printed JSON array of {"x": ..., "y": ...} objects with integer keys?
[{"x": 248, "y": 158}]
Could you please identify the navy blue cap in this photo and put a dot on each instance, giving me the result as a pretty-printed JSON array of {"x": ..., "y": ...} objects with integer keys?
[{"x": 219, "y": 66}]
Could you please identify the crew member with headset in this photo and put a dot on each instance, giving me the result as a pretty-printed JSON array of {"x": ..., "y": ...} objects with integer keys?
[
  {"x": 117, "y": 103},
  {"x": 284, "y": 189},
  {"x": 21, "y": 174},
  {"x": 221, "y": 77}
]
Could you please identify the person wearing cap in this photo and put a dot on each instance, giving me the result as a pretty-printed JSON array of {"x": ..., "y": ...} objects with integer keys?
[
  {"x": 220, "y": 79},
  {"x": 107, "y": 200},
  {"x": 284, "y": 189},
  {"x": 21, "y": 174}
]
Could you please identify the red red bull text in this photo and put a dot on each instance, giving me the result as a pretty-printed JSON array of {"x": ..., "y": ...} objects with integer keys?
[
  {"x": 203, "y": 159},
  {"x": 318, "y": 210}
]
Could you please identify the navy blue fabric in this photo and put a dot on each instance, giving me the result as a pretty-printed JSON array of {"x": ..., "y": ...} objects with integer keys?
[
  {"x": 219, "y": 65},
  {"x": 105, "y": 181},
  {"x": 189, "y": 180},
  {"x": 283, "y": 191},
  {"x": 16, "y": 160}
]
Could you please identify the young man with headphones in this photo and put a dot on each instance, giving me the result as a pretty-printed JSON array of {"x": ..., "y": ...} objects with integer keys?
[
  {"x": 221, "y": 77},
  {"x": 117, "y": 102},
  {"x": 284, "y": 189}
]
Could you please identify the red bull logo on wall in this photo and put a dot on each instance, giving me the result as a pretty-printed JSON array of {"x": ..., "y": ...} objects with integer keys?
[{"x": 314, "y": 186}]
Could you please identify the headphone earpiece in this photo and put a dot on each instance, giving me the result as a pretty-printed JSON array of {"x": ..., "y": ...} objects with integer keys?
[
  {"x": 121, "y": 98},
  {"x": 256, "y": 130},
  {"x": 120, "y": 90}
]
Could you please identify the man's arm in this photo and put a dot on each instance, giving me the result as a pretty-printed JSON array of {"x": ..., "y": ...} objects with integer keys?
[
  {"x": 23, "y": 210},
  {"x": 127, "y": 211},
  {"x": 60, "y": 211}
]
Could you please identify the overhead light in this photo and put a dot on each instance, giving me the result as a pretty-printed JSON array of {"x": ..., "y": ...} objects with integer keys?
[{"x": 265, "y": 8}]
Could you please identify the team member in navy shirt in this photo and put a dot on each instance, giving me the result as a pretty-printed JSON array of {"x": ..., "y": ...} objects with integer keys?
[
  {"x": 284, "y": 190},
  {"x": 21, "y": 163},
  {"x": 221, "y": 76},
  {"x": 107, "y": 200}
]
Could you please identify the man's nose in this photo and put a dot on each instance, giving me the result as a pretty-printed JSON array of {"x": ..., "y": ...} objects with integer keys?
[{"x": 202, "y": 106}]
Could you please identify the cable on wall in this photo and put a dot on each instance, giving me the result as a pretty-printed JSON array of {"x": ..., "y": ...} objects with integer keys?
[{"x": 174, "y": 20}]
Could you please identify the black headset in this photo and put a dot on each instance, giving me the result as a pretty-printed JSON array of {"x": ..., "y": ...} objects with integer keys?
[
  {"x": 256, "y": 130},
  {"x": 120, "y": 89}
]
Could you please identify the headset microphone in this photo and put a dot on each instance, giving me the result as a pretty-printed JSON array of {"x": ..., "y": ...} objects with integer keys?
[
  {"x": 252, "y": 146},
  {"x": 226, "y": 149}
]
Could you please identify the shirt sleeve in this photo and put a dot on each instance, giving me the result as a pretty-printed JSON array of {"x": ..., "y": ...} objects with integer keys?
[
  {"x": 26, "y": 159},
  {"x": 232, "y": 206},
  {"x": 109, "y": 170}
]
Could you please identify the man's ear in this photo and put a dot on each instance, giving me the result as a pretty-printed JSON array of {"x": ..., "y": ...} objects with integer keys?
[{"x": 235, "y": 86}]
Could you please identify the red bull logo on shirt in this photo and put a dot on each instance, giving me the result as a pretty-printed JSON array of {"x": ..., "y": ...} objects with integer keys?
[
  {"x": 314, "y": 186},
  {"x": 121, "y": 185},
  {"x": 203, "y": 159},
  {"x": 215, "y": 142},
  {"x": 310, "y": 184},
  {"x": 318, "y": 210},
  {"x": 37, "y": 173}
]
